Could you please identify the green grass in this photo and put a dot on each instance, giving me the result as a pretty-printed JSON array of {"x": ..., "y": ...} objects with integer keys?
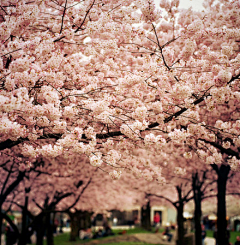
[
  {"x": 233, "y": 235},
  {"x": 209, "y": 233},
  {"x": 63, "y": 239},
  {"x": 135, "y": 230}
]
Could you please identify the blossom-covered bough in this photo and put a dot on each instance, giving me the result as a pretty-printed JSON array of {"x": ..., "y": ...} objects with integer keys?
[
  {"x": 103, "y": 78},
  {"x": 83, "y": 85}
]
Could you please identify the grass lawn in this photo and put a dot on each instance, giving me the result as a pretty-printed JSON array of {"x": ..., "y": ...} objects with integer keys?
[
  {"x": 135, "y": 230},
  {"x": 233, "y": 235},
  {"x": 63, "y": 239}
]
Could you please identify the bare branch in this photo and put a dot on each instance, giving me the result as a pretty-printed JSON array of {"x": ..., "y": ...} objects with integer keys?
[
  {"x": 64, "y": 11},
  {"x": 11, "y": 52},
  {"x": 88, "y": 11}
]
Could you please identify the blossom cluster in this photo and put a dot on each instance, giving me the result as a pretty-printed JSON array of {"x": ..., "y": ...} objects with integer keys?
[
  {"x": 112, "y": 79},
  {"x": 115, "y": 175}
]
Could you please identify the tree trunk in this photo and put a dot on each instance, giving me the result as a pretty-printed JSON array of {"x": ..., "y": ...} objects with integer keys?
[
  {"x": 222, "y": 172},
  {"x": 74, "y": 226},
  {"x": 40, "y": 236},
  {"x": 145, "y": 220},
  {"x": 198, "y": 209},
  {"x": 24, "y": 231},
  {"x": 49, "y": 230},
  {"x": 180, "y": 218},
  {"x": 87, "y": 219},
  {"x": 40, "y": 229},
  {"x": 180, "y": 223}
]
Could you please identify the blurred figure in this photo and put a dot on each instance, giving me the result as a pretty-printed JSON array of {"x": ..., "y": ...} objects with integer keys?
[
  {"x": 55, "y": 226},
  {"x": 135, "y": 220},
  {"x": 172, "y": 226},
  {"x": 237, "y": 241},
  {"x": 167, "y": 233},
  {"x": 98, "y": 234},
  {"x": 107, "y": 231},
  {"x": 61, "y": 226},
  {"x": 85, "y": 234},
  {"x": 203, "y": 234},
  {"x": 156, "y": 220}
]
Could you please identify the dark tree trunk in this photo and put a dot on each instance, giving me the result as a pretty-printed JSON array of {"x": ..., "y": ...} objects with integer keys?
[
  {"x": 87, "y": 219},
  {"x": 24, "y": 232},
  {"x": 180, "y": 223},
  {"x": 79, "y": 220},
  {"x": 23, "y": 235},
  {"x": 4, "y": 193},
  {"x": 40, "y": 236},
  {"x": 49, "y": 230},
  {"x": 222, "y": 172},
  {"x": 180, "y": 218},
  {"x": 198, "y": 209},
  {"x": 145, "y": 219},
  {"x": 74, "y": 226},
  {"x": 40, "y": 229},
  {"x": 61, "y": 223}
]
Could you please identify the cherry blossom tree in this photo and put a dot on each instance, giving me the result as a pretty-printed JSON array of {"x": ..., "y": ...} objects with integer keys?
[
  {"x": 103, "y": 78},
  {"x": 52, "y": 185},
  {"x": 12, "y": 175},
  {"x": 75, "y": 188},
  {"x": 185, "y": 178},
  {"x": 101, "y": 195}
]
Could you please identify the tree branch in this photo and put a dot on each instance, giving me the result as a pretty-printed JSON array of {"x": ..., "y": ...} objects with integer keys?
[
  {"x": 88, "y": 11},
  {"x": 64, "y": 11},
  {"x": 80, "y": 194},
  {"x": 223, "y": 150},
  {"x": 165, "y": 198},
  {"x": 9, "y": 143},
  {"x": 11, "y": 187}
]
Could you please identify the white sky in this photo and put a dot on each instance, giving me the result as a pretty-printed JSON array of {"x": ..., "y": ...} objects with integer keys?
[{"x": 196, "y": 4}]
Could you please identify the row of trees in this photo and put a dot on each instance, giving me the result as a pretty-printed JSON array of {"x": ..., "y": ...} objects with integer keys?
[
  {"x": 196, "y": 182},
  {"x": 109, "y": 79},
  {"x": 79, "y": 190},
  {"x": 43, "y": 190}
]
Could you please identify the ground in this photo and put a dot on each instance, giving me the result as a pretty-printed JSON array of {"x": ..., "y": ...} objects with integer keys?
[
  {"x": 135, "y": 239},
  {"x": 138, "y": 239}
]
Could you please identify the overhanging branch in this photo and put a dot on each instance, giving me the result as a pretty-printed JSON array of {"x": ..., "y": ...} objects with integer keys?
[{"x": 9, "y": 143}]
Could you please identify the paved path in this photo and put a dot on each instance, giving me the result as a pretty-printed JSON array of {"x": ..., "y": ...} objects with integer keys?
[
  {"x": 153, "y": 238},
  {"x": 142, "y": 237}
]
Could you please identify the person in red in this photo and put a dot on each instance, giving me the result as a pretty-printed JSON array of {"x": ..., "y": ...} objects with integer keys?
[{"x": 156, "y": 221}]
